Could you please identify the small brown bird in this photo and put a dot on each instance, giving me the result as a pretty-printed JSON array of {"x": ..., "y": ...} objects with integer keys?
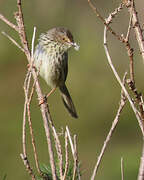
[{"x": 51, "y": 60}]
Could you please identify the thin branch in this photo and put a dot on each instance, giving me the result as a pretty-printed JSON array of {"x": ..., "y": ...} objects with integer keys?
[
  {"x": 122, "y": 169},
  {"x": 111, "y": 131},
  {"x": 26, "y": 89},
  {"x": 33, "y": 40},
  {"x": 104, "y": 21},
  {"x": 137, "y": 27},
  {"x": 114, "y": 13},
  {"x": 59, "y": 152},
  {"x": 74, "y": 153},
  {"x": 141, "y": 167},
  {"x": 129, "y": 28},
  {"x": 27, "y": 165},
  {"x": 32, "y": 138},
  {"x": 44, "y": 107},
  {"x": 13, "y": 41},
  {"x": 75, "y": 159},
  {"x": 13, "y": 26},
  {"x": 70, "y": 140},
  {"x": 66, "y": 156},
  {"x": 120, "y": 82},
  {"x": 76, "y": 164}
]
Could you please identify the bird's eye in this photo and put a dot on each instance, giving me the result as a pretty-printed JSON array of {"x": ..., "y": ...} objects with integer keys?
[{"x": 64, "y": 39}]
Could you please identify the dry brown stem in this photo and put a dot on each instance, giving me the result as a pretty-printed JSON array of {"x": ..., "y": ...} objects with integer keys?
[
  {"x": 12, "y": 40},
  {"x": 137, "y": 27},
  {"x": 13, "y": 26},
  {"x": 122, "y": 169},
  {"x": 66, "y": 156},
  {"x": 111, "y": 131},
  {"x": 44, "y": 107},
  {"x": 141, "y": 168},
  {"x": 138, "y": 101}
]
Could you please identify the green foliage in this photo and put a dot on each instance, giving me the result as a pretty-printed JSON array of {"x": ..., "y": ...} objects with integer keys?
[{"x": 47, "y": 174}]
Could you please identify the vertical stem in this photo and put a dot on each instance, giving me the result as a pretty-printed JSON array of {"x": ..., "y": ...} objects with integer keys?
[{"x": 141, "y": 168}]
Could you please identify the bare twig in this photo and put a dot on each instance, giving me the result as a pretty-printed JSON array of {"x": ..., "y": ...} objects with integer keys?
[
  {"x": 120, "y": 82},
  {"x": 13, "y": 26},
  {"x": 13, "y": 41},
  {"x": 122, "y": 169},
  {"x": 141, "y": 168},
  {"x": 113, "y": 14},
  {"x": 74, "y": 153},
  {"x": 129, "y": 28},
  {"x": 27, "y": 165},
  {"x": 105, "y": 21},
  {"x": 26, "y": 86},
  {"x": 33, "y": 40},
  {"x": 32, "y": 137},
  {"x": 59, "y": 152},
  {"x": 137, "y": 27},
  {"x": 44, "y": 107},
  {"x": 76, "y": 164},
  {"x": 70, "y": 141},
  {"x": 111, "y": 131},
  {"x": 66, "y": 156},
  {"x": 75, "y": 159}
]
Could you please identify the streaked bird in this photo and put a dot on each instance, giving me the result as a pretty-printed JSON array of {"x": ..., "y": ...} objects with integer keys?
[{"x": 51, "y": 60}]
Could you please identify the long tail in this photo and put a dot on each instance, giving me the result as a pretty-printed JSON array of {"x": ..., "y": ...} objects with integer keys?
[{"x": 68, "y": 101}]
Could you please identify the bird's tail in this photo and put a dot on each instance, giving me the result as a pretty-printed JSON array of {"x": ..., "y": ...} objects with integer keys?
[{"x": 68, "y": 101}]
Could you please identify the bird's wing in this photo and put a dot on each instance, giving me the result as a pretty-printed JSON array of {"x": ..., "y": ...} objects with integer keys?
[{"x": 65, "y": 65}]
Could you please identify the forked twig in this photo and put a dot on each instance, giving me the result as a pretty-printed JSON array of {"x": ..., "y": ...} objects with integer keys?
[
  {"x": 44, "y": 107},
  {"x": 13, "y": 41},
  {"x": 13, "y": 26},
  {"x": 105, "y": 21},
  {"x": 120, "y": 82}
]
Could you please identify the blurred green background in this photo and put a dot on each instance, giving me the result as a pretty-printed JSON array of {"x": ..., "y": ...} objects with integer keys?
[{"x": 93, "y": 87}]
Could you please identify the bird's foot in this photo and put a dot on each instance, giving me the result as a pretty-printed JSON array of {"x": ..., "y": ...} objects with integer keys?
[
  {"x": 43, "y": 100},
  {"x": 29, "y": 66}
]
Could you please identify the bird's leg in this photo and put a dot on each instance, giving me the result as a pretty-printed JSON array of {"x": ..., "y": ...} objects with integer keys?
[
  {"x": 51, "y": 92},
  {"x": 29, "y": 65},
  {"x": 44, "y": 99}
]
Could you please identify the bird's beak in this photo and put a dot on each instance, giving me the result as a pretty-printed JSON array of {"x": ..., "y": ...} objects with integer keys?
[{"x": 76, "y": 46}]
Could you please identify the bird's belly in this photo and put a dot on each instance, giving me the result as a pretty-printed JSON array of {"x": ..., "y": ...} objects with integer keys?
[
  {"x": 51, "y": 71},
  {"x": 50, "y": 67}
]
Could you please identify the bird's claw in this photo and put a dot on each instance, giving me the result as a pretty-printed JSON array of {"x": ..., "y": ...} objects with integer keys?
[
  {"x": 29, "y": 66},
  {"x": 42, "y": 100}
]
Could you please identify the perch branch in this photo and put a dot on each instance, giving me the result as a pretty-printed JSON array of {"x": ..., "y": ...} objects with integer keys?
[{"x": 44, "y": 107}]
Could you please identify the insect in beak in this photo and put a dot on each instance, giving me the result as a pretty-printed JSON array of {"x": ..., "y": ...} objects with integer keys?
[{"x": 75, "y": 45}]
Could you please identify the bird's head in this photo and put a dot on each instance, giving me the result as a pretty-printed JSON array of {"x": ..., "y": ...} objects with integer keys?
[{"x": 62, "y": 37}]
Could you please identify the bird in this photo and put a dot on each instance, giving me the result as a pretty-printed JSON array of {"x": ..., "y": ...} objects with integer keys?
[{"x": 51, "y": 61}]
